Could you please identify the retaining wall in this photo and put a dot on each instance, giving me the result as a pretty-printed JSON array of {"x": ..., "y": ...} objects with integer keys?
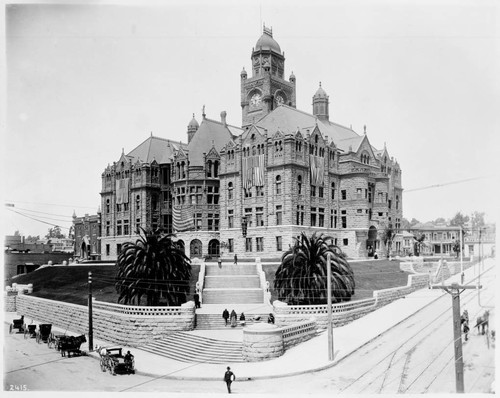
[
  {"x": 264, "y": 341},
  {"x": 127, "y": 325},
  {"x": 344, "y": 313}
]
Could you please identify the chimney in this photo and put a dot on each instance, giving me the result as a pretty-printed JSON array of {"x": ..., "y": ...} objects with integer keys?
[{"x": 223, "y": 118}]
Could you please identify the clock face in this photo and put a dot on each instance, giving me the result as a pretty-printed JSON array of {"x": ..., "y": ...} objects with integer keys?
[
  {"x": 255, "y": 100},
  {"x": 279, "y": 100}
]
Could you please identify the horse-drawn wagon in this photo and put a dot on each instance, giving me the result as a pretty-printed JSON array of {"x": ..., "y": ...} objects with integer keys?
[
  {"x": 68, "y": 344},
  {"x": 113, "y": 360},
  {"x": 17, "y": 324}
]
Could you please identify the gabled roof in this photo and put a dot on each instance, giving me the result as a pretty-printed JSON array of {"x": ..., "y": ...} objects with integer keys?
[
  {"x": 210, "y": 134},
  {"x": 159, "y": 149},
  {"x": 289, "y": 120}
]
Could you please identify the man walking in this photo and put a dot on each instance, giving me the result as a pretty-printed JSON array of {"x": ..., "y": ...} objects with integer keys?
[
  {"x": 225, "y": 315},
  {"x": 235, "y": 259},
  {"x": 229, "y": 377}
]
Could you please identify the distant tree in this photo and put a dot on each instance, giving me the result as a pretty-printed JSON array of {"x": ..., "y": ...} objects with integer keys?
[
  {"x": 32, "y": 239},
  {"x": 440, "y": 220},
  {"x": 301, "y": 278},
  {"x": 55, "y": 232},
  {"x": 459, "y": 220},
  {"x": 418, "y": 244},
  {"x": 477, "y": 220},
  {"x": 405, "y": 224},
  {"x": 388, "y": 236},
  {"x": 17, "y": 233},
  {"x": 414, "y": 222}
]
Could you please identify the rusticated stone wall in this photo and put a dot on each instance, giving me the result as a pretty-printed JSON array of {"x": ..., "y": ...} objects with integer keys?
[
  {"x": 263, "y": 341},
  {"x": 344, "y": 313},
  {"x": 126, "y": 325},
  {"x": 9, "y": 301}
]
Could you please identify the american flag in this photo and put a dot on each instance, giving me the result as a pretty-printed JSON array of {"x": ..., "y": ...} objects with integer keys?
[
  {"x": 122, "y": 191},
  {"x": 253, "y": 171},
  {"x": 317, "y": 167},
  {"x": 183, "y": 218}
]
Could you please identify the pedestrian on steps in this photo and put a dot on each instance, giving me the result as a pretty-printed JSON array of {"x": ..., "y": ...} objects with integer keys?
[
  {"x": 225, "y": 315},
  {"x": 229, "y": 377},
  {"x": 235, "y": 259},
  {"x": 234, "y": 317}
]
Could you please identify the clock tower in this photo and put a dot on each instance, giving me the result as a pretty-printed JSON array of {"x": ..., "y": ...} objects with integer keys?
[{"x": 267, "y": 88}]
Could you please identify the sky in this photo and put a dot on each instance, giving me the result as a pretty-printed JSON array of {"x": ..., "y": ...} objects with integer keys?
[{"x": 84, "y": 82}]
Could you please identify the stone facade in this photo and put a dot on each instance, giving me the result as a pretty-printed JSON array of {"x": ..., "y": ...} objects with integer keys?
[
  {"x": 87, "y": 236},
  {"x": 249, "y": 191}
]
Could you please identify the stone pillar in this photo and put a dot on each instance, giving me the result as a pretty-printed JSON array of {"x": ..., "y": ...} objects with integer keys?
[{"x": 262, "y": 341}]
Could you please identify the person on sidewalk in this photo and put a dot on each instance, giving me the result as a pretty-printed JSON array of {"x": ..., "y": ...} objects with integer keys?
[
  {"x": 225, "y": 315},
  {"x": 242, "y": 319},
  {"x": 229, "y": 377},
  {"x": 234, "y": 317},
  {"x": 235, "y": 259}
]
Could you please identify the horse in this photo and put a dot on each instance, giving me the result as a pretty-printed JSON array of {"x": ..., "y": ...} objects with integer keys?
[
  {"x": 71, "y": 345},
  {"x": 482, "y": 322}
]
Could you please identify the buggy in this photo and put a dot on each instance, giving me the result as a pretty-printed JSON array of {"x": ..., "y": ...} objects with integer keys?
[
  {"x": 30, "y": 331},
  {"x": 55, "y": 341},
  {"x": 17, "y": 324},
  {"x": 113, "y": 361},
  {"x": 43, "y": 333}
]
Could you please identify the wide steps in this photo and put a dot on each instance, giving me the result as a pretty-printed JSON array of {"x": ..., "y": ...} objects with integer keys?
[
  {"x": 215, "y": 321},
  {"x": 228, "y": 281},
  {"x": 233, "y": 296},
  {"x": 230, "y": 269},
  {"x": 186, "y": 347}
]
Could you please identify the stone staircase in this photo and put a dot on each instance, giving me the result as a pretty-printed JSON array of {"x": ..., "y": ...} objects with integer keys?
[
  {"x": 232, "y": 284},
  {"x": 187, "y": 347},
  {"x": 215, "y": 321}
]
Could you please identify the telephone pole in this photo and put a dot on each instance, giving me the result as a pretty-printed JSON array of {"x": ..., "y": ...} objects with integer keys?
[
  {"x": 455, "y": 290},
  {"x": 91, "y": 332},
  {"x": 329, "y": 304}
]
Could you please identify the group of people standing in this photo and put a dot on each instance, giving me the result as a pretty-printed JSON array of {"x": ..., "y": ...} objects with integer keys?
[{"x": 232, "y": 318}]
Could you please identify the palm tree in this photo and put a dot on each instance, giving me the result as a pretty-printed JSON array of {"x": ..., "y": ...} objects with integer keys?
[
  {"x": 301, "y": 278},
  {"x": 153, "y": 267}
]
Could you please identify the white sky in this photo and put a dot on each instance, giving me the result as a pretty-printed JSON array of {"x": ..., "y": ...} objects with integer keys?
[{"x": 85, "y": 81}]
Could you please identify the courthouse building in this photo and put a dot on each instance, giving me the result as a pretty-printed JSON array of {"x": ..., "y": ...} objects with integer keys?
[{"x": 250, "y": 190}]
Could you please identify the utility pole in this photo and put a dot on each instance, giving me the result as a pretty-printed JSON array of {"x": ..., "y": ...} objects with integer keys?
[
  {"x": 462, "y": 275},
  {"x": 455, "y": 289},
  {"x": 91, "y": 332},
  {"x": 329, "y": 304}
]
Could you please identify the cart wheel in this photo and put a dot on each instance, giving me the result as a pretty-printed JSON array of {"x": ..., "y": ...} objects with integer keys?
[
  {"x": 38, "y": 338},
  {"x": 25, "y": 334},
  {"x": 10, "y": 329},
  {"x": 103, "y": 367}
]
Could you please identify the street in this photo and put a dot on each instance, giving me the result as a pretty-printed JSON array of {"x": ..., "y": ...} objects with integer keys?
[{"x": 416, "y": 356}]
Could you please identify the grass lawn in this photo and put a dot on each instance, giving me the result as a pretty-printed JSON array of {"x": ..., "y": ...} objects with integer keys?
[
  {"x": 369, "y": 275},
  {"x": 69, "y": 283}
]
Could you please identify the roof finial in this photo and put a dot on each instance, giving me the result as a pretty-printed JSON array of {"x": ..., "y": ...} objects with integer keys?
[
  {"x": 193, "y": 115},
  {"x": 320, "y": 84},
  {"x": 123, "y": 151},
  {"x": 203, "y": 112},
  {"x": 365, "y": 129}
]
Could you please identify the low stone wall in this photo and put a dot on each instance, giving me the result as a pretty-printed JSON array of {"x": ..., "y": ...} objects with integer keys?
[
  {"x": 126, "y": 325},
  {"x": 344, "y": 313},
  {"x": 264, "y": 341}
]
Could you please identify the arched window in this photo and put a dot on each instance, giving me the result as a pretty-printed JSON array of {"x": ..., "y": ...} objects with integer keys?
[
  {"x": 183, "y": 170},
  {"x": 278, "y": 185},
  {"x": 107, "y": 206},
  {"x": 299, "y": 183},
  {"x": 138, "y": 202},
  {"x": 230, "y": 191},
  {"x": 397, "y": 202},
  {"x": 333, "y": 190}
]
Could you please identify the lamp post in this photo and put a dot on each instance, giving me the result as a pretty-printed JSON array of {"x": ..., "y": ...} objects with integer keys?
[{"x": 91, "y": 332}]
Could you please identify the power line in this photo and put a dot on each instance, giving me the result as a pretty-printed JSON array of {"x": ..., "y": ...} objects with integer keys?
[
  {"x": 36, "y": 219},
  {"x": 447, "y": 183},
  {"x": 52, "y": 204}
]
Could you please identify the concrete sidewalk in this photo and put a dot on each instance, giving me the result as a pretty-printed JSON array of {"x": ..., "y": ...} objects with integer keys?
[{"x": 306, "y": 357}]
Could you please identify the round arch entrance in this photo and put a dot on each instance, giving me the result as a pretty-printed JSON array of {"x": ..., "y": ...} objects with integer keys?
[
  {"x": 195, "y": 248},
  {"x": 371, "y": 242},
  {"x": 214, "y": 248}
]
